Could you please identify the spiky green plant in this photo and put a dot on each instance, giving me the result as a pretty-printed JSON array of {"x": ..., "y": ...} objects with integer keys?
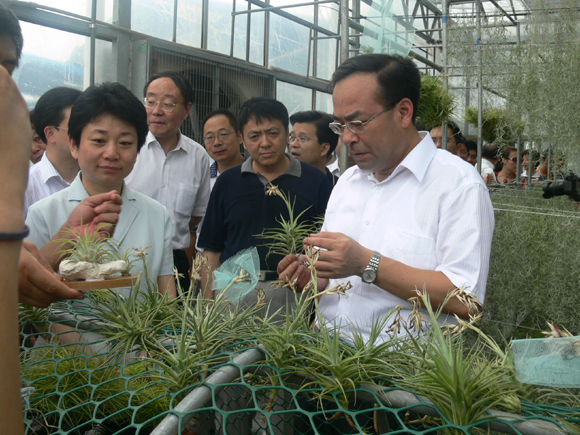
[
  {"x": 288, "y": 238},
  {"x": 462, "y": 383},
  {"x": 436, "y": 105},
  {"x": 87, "y": 245},
  {"x": 499, "y": 126}
]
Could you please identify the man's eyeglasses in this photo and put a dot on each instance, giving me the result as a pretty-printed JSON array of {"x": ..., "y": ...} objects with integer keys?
[
  {"x": 513, "y": 159},
  {"x": 60, "y": 128},
  {"x": 150, "y": 103},
  {"x": 210, "y": 139},
  {"x": 356, "y": 127},
  {"x": 301, "y": 139}
]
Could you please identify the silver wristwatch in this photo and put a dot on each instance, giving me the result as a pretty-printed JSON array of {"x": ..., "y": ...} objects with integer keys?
[{"x": 369, "y": 275}]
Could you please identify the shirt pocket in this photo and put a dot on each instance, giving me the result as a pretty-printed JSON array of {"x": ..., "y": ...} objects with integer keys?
[
  {"x": 411, "y": 249},
  {"x": 185, "y": 199}
]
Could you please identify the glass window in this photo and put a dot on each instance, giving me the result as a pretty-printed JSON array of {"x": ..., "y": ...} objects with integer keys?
[
  {"x": 257, "y": 37},
  {"x": 240, "y": 30},
  {"x": 52, "y": 58},
  {"x": 304, "y": 12},
  {"x": 82, "y": 7},
  {"x": 295, "y": 98},
  {"x": 220, "y": 26},
  {"x": 324, "y": 102},
  {"x": 153, "y": 17},
  {"x": 189, "y": 13},
  {"x": 288, "y": 44},
  {"x": 326, "y": 55}
]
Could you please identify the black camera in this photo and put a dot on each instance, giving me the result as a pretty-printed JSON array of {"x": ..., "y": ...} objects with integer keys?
[{"x": 569, "y": 186}]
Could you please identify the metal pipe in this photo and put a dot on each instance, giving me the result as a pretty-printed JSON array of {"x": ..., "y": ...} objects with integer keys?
[
  {"x": 174, "y": 39},
  {"x": 444, "y": 128},
  {"x": 479, "y": 89},
  {"x": 273, "y": 8},
  {"x": 93, "y": 27},
  {"x": 519, "y": 162},
  {"x": 201, "y": 395},
  {"x": 344, "y": 29}
]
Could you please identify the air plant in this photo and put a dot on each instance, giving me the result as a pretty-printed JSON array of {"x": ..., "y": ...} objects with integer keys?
[
  {"x": 87, "y": 245},
  {"x": 288, "y": 239},
  {"x": 435, "y": 103},
  {"x": 463, "y": 384}
]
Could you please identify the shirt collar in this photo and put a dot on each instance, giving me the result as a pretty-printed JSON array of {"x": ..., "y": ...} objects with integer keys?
[
  {"x": 78, "y": 192},
  {"x": 151, "y": 139},
  {"x": 47, "y": 169},
  {"x": 294, "y": 169},
  {"x": 417, "y": 161}
]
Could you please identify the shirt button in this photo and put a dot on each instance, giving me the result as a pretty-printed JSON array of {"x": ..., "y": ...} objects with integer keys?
[
  {"x": 378, "y": 186},
  {"x": 367, "y": 222}
]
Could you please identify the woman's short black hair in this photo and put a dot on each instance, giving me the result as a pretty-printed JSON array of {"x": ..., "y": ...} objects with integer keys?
[
  {"x": 110, "y": 99},
  {"x": 262, "y": 107}
]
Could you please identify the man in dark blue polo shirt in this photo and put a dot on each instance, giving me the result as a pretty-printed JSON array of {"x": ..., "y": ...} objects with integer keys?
[{"x": 239, "y": 209}]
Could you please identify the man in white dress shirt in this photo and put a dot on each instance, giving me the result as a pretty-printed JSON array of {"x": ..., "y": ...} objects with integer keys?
[
  {"x": 57, "y": 168},
  {"x": 172, "y": 168},
  {"x": 408, "y": 216}
]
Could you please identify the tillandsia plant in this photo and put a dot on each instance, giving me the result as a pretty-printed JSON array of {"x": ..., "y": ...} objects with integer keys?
[
  {"x": 87, "y": 245},
  {"x": 72, "y": 389},
  {"x": 288, "y": 238},
  {"x": 462, "y": 383},
  {"x": 436, "y": 104},
  {"x": 89, "y": 255}
]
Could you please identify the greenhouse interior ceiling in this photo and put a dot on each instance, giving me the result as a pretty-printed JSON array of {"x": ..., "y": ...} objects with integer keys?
[{"x": 496, "y": 55}]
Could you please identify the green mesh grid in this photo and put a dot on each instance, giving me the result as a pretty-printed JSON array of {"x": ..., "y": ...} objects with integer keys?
[{"x": 77, "y": 391}]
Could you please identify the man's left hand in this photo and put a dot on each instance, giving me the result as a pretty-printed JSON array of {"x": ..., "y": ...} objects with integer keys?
[{"x": 340, "y": 255}]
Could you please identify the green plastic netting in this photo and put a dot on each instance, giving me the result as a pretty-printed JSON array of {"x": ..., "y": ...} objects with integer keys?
[{"x": 235, "y": 390}]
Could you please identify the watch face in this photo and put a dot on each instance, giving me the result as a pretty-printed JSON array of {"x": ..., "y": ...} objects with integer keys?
[{"x": 369, "y": 275}]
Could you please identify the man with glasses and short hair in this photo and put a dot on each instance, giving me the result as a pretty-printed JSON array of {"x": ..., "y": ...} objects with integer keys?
[
  {"x": 407, "y": 217},
  {"x": 57, "y": 168},
  {"x": 222, "y": 141},
  {"x": 172, "y": 168},
  {"x": 240, "y": 208},
  {"x": 312, "y": 141}
]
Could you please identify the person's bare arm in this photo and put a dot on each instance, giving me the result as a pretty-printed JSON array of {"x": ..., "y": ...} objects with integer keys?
[
  {"x": 342, "y": 256},
  {"x": 166, "y": 284},
  {"x": 190, "y": 252},
  {"x": 38, "y": 284},
  {"x": 14, "y": 152},
  {"x": 99, "y": 211},
  {"x": 213, "y": 258}
]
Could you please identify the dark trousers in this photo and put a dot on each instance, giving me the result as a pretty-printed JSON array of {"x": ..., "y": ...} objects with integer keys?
[{"x": 181, "y": 263}]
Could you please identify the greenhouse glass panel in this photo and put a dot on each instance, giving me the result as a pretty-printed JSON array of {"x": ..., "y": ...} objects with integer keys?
[
  {"x": 257, "y": 38},
  {"x": 240, "y": 31},
  {"x": 326, "y": 54},
  {"x": 288, "y": 45},
  {"x": 189, "y": 13},
  {"x": 220, "y": 26},
  {"x": 324, "y": 102},
  {"x": 153, "y": 17},
  {"x": 304, "y": 12},
  {"x": 43, "y": 67},
  {"x": 81, "y": 7},
  {"x": 295, "y": 98}
]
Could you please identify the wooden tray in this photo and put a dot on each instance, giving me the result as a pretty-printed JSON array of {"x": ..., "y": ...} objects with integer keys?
[{"x": 121, "y": 281}]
